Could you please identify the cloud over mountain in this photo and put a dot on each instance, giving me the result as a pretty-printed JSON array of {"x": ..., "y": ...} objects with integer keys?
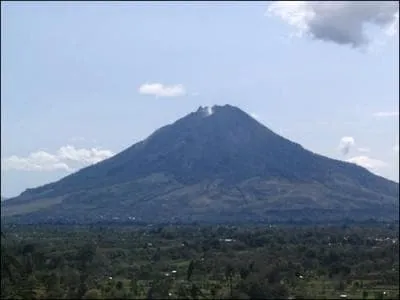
[
  {"x": 341, "y": 22},
  {"x": 67, "y": 158},
  {"x": 367, "y": 162}
]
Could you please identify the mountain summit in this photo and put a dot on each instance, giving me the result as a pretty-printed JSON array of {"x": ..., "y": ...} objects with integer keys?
[{"x": 215, "y": 164}]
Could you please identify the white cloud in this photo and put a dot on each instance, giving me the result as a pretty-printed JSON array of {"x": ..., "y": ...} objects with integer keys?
[
  {"x": 88, "y": 156},
  {"x": 37, "y": 161},
  {"x": 386, "y": 114},
  {"x": 396, "y": 148},
  {"x": 341, "y": 22},
  {"x": 367, "y": 162},
  {"x": 364, "y": 150},
  {"x": 61, "y": 160},
  {"x": 345, "y": 144},
  {"x": 161, "y": 90}
]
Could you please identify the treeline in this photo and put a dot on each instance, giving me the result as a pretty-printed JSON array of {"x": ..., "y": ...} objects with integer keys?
[{"x": 199, "y": 262}]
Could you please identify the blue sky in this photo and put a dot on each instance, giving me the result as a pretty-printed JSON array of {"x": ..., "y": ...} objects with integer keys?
[{"x": 82, "y": 81}]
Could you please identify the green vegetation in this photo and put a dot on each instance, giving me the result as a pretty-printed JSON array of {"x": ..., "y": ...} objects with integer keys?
[
  {"x": 199, "y": 262},
  {"x": 23, "y": 208}
]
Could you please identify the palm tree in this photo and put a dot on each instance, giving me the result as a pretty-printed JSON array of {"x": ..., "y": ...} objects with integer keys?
[
  {"x": 229, "y": 272},
  {"x": 9, "y": 262},
  {"x": 11, "y": 269},
  {"x": 190, "y": 270}
]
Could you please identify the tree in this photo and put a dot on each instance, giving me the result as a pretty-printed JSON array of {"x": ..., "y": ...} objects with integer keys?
[
  {"x": 10, "y": 266},
  {"x": 159, "y": 289},
  {"x": 84, "y": 256},
  {"x": 52, "y": 284},
  {"x": 365, "y": 294},
  {"x": 190, "y": 270},
  {"x": 229, "y": 272},
  {"x": 92, "y": 294},
  {"x": 27, "y": 252},
  {"x": 195, "y": 291},
  {"x": 120, "y": 285},
  {"x": 134, "y": 286},
  {"x": 257, "y": 289},
  {"x": 244, "y": 272}
]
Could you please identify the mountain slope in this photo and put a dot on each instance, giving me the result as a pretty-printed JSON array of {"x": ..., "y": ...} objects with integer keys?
[{"x": 211, "y": 166}]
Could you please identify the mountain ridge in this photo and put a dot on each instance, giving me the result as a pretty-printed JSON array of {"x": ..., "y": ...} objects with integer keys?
[{"x": 210, "y": 162}]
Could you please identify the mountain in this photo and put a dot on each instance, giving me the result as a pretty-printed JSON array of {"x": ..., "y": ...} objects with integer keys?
[{"x": 213, "y": 165}]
